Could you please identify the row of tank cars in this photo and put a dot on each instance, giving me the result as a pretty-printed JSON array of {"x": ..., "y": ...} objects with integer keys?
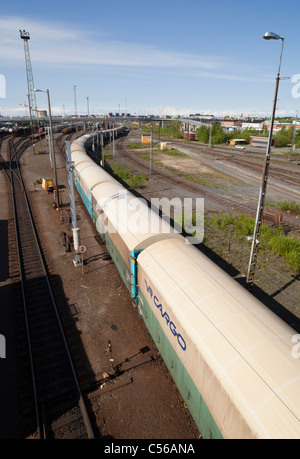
[
  {"x": 232, "y": 359},
  {"x": 23, "y": 131}
]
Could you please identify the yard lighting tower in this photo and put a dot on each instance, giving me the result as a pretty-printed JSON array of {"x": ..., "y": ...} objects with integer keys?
[
  {"x": 88, "y": 106},
  {"x": 30, "y": 84},
  {"x": 262, "y": 195},
  {"x": 52, "y": 145},
  {"x": 75, "y": 100}
]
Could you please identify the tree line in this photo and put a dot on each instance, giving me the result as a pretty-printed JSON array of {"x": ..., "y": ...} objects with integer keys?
[
  {"x": 283, "y": 138},
  {"x": 172, "y": 129}
]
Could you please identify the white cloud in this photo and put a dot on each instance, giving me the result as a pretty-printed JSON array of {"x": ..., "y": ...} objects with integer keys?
[{"x": 60, "y": 44}]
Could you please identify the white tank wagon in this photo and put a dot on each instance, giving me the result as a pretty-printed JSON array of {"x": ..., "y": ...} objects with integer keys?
[
  {"x": 125, "y": 223},
  {"x": 229, "y": 355},
  {"x": 86, "y": 173},
  {"x": 128, "y": 226}
]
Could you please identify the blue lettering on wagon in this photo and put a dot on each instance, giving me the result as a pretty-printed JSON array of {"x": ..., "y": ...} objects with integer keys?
[{"x": 170, "y": 324}]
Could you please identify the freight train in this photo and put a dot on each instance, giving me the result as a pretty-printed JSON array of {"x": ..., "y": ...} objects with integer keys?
[{"x": 234, "y": 361}]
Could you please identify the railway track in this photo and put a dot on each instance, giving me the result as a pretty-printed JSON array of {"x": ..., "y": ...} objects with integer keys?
[
  {"x": 291, "y": 177},
  {"x": 269, "y": 216},
  {"x": 180, "y": 182},
  {"x": 54, "y": 399},
  {"x": 232, "y": 156}
]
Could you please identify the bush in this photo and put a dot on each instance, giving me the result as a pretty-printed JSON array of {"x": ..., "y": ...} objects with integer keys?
[
  {"x": 244, "y": 225},
  {"x": 131, "y": 180},
  {"x": 202, "y": 134},
  {"x": 289, "y": 248},
  {"x": 281, "y": 140}
]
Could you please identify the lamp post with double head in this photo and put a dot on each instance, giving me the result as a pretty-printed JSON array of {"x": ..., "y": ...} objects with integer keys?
[{"x": 260, "y": 206}]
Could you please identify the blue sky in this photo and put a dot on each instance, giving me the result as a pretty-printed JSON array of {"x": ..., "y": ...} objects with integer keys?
[{"x": 159, "y": 57}]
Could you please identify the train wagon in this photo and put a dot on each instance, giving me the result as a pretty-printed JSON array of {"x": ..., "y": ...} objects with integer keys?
[
  {"x": 189, "y": 135},
  {"x": 230, "y": 356},
  {"x": 260, "y": 142}
]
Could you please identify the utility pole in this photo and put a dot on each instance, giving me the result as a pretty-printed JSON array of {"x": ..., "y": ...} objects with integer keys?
[
  {"x": 51, "y": 151},
  {"x": 210, "y": 132},
  {"x": 295, "y": 128},
  {"x": 75, "y": 229},
  {"x": 264, "y": 179},
  {"x": 75, "y": 101},
  {"x": 88, "y": 107},
  {"x": 102, "y": 149},
  {"x": 113, "y": 134},
  {"x": 30, "y": 84},
  {"x": 151, "y": 152}
]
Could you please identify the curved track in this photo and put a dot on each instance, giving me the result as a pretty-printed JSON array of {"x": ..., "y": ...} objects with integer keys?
[
  {"x": 270, "y": 216},
  {"x": 243, "y": 159},
  {"x": 56, "y": 401}
]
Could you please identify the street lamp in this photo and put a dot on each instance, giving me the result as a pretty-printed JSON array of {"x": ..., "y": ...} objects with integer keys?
[
  {"x": 260, "y": 206},
  {"x": 88, "y": 107},
  {"x": 75, "y": 101},
  {"x": 52, "y": 144}
]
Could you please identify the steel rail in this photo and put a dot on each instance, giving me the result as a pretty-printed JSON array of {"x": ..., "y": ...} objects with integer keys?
[
  {"x": 11, "y": 147},
  {"x": 181, "y": 183},
  {"x": 41, "y": 430},
  {"x": 195, "y": 188}
]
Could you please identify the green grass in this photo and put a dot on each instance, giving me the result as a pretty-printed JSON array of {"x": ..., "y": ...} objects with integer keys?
[
  {"x": 288, "y": 206},
  {"x": 271, "y": 239},
  {"x": 127, "y": 176},
  {"x": 291, "y": 206},
  {"x": 197, "y": 179},
  {"x": 175, "y": 152},
  {"x": 291, "y": 154},
  {"x": 138, "y": 145},
  {"x": 288, "y": 248}
]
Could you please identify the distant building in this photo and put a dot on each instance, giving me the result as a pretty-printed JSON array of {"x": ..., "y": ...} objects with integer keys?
[
  {"x": 260, "y": 142},
  {"x": 257, "y": 125},
  {"x": 42, "y": 113},
  {"x": 278, "y": 126}
]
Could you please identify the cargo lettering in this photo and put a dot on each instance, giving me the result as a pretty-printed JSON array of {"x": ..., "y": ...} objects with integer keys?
[{"x": 169, "y": 323}]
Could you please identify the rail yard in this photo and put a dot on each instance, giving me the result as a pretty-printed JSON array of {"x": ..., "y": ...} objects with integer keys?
[
  {"x": 106, "y": 377},
  {"x": 130, "y": 384}
]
